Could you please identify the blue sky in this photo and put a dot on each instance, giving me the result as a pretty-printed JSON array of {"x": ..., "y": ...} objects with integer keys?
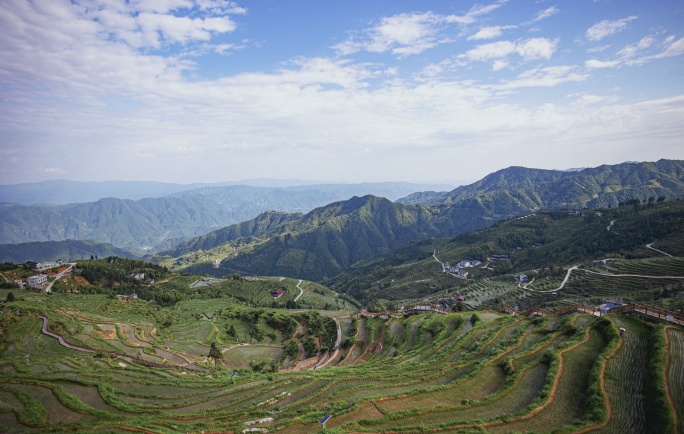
[{"x": 213, "y": 90}]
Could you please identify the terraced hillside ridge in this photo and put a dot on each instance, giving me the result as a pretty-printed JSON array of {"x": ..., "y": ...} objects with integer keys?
[
  {"x": 633, "y": 252},
  {"x": 282, "y": 370}
]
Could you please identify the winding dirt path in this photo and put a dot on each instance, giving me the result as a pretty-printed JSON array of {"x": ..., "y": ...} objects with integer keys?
[
  {"x": 650, "y": 246},
  {"x": 576, "y": 268},
  {"x": 61, "y": 340},
  {"x": 301, "y": 291}
]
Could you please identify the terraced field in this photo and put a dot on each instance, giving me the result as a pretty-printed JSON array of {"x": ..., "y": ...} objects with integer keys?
[{"x": 415, "y": 373}]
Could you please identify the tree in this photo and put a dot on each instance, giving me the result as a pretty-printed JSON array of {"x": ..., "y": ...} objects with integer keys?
[
  {"x": 215, "y": 353},
  {"x": 231, "y": 332},
  {"x": 10, "y": 297}
]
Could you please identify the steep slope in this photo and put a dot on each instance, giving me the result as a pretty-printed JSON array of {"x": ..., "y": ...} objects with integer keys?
[
  {"x": 262, "y": 224},
  {"x": 329, "y": 239}
]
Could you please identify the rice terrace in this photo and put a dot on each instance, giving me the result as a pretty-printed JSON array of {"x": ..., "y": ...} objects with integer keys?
[{"x": 136, "y": 367}]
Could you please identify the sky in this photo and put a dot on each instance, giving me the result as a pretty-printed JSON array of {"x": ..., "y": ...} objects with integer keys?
[{"x": 343, "y": 91}]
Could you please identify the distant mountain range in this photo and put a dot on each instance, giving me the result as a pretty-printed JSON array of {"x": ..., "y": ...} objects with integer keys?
[
  {"x": 318, "y": 232},
  {"x": 329, "y": 239},
  {"x": 601, "y": 186},
  {"x": 148, "y": 225},
  {"x": 70, "y": 250}
]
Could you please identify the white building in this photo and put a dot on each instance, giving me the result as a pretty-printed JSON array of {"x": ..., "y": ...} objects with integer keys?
[{"x": 37, "y": 281}]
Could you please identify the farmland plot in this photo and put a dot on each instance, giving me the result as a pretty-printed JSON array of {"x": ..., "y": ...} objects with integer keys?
[
  {"x": 625, "y": 379},
  {"x": 567, "y": 404},
  {"x": 675, "y": 373}
]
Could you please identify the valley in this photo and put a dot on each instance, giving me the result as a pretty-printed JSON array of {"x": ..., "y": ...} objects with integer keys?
[{"x": 363, "y": 315}]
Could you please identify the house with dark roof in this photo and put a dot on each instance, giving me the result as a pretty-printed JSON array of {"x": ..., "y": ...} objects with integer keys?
[{"x": 611, "y": 304}]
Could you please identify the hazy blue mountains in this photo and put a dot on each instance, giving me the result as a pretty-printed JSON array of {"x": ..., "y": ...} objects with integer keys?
[
  {"x": 69, "y": 250},
  {"x": 152, "y": 224}
]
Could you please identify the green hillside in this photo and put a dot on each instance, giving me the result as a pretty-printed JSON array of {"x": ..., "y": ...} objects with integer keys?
[
  {"x": 329, "y": 240},
  {"x": 542, "y": 246},
  {"x": 275, "y": 370}
]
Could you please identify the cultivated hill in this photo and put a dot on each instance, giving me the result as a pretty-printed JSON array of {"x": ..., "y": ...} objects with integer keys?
[
  {"x": 216, "y": 365},
  {"x": 543, "y": 247}
]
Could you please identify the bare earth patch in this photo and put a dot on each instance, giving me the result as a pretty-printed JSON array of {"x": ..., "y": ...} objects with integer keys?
[{"x": 105, "y": 334}]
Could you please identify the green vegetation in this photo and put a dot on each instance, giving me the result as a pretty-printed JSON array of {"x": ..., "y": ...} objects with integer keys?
[
  {"x": 153, "y": 350},
  {"x": 397, "y": 373},
  {"x": 542, "y": 246}
]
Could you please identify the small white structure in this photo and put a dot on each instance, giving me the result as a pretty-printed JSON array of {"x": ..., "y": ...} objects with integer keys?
[{"x": 37, "y": 281}]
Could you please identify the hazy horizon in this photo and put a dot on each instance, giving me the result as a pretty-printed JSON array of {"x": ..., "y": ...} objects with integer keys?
[{"x": 204, "y": 91}]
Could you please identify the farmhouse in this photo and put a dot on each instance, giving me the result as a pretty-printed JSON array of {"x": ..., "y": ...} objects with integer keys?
[
  {"x": 277, "y": 293},
  {"x": 611, "y": 304},
  {"x": 42, "y": 265},
  {"x": 521, "y": 278},
  {"x": 460, "y": 298},
  {"x": 467, "y": 263},
  {"x": 37, "y": 281}
]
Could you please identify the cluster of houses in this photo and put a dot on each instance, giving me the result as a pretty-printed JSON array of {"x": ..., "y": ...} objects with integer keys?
[
  {"x": 611, "y": 303},
  {"x": 446, "y": 303},
  {"x": 40, "y": 266},
  {"x": 458, "y": 269}
]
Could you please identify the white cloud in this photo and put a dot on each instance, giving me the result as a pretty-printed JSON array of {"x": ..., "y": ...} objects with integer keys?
[
  {"x": 544, "y": 77},
  {"x": 673, "y": 48},
  {"x": 490, "y": 51},
  {"x": 499, "y": 65},
  {"x": 537, "y": 48},
  {"x": 489, "y": 32},
  {"x": 171, "y": 28},
  {"x": 410, "y": 33},
  {"x": 403, "y": 33},
  {"x": 79, "y": 82},
  {"x": 528, "y": 49},
  {"x": 606, "y": 28},
  {"x": 589, "y": 99},
  {"x": 600, "y": 64},
  {"x": 632, "y": 50},
  {"x": 546, "y": 13}
]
